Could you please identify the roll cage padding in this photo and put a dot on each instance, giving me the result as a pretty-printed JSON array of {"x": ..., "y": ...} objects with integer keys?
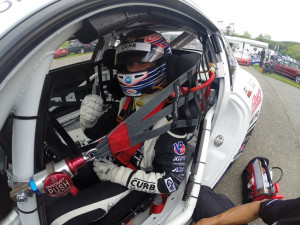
[{"x": 108, "y": 58}]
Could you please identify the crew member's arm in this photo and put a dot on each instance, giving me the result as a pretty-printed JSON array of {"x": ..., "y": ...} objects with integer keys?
[
  {"x": 285, "y": 211},
  {"x": 238, "y": 215}
]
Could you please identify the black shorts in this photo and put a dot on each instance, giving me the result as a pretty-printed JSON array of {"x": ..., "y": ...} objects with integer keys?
[{"x": 210, "y": 204}]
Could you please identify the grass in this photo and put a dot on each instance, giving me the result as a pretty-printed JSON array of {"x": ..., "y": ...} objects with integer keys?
[
  {"x": 278, "y": 77},
  {"x": 64, "y": 45}
]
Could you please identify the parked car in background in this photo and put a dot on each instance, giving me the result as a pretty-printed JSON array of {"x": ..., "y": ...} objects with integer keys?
[
  {"x": 288, "y": 68},
  {"x": 242, "y": 57},
  {"x": 93, "y": 45},
  {"x": 76, "y": 46},
  {"x": 61, "y": 52},
  {"x": 255, "y": 59}
]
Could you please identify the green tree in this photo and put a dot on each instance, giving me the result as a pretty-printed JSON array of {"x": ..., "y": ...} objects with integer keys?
[
  {"x": 228, "y": 30},
  {"x": 267, "y": 37},
  {"x": 246, "y": 35},
  {"x": 284, "y": 46},
  {"x": 294, "y": 52}
]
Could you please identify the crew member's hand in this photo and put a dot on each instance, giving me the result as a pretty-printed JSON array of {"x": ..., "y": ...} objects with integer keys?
[
  {"x": 106, "y": 170},
  {"x": 90, "y": 111}
]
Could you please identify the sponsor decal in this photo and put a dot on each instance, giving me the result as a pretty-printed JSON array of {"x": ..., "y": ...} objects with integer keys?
[
  {"x": 245, "y": 141},
  {"x": 128, "y": 80},
  {"x": 130, "y": 46},
  {"x": 179, "y": 158},
  {"x": 152, "y": 38},
  {"x": 252, "y": 83},
  {"x": 131, "y": 91},
  {"x": 179, "y": 169},
  {"x": 132, "y": 79},
  {"x": 170, "y": 184},
  {"x": 218, "y": 140},
  {"x": 250, "y": 87},
  {"x": 179, "y": 148},
  {"x": 256, "y": 101},
  {"x": 57, "y": 184},
  {"x": 142, "y": 184},
  {"x": 179, "y": 163},
  {"x": 254, "y": 117},
  {"x": 133, "y": 47},
  {"x": 248, "y": 92},
  {"x": 242, "y": 147},
  {"x": 179, "y": 176},
  {"x": 156, "y": 39}
]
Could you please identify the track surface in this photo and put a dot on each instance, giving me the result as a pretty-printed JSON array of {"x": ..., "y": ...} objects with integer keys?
[{"x": 276, "y": 137}]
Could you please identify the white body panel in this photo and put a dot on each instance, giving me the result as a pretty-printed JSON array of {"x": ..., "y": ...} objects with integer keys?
[{"x": 233, "y": 122}]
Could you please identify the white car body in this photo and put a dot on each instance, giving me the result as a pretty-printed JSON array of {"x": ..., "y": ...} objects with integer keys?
[{"x": 230, "y": 120}]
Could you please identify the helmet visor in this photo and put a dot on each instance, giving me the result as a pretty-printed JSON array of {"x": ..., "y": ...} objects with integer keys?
[{"x": 137, "y": 52}]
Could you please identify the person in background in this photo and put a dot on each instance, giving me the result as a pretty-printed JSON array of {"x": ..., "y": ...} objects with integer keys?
[
  {"x": 279, "y": 212},
  {"x": 262, "y": 57}
]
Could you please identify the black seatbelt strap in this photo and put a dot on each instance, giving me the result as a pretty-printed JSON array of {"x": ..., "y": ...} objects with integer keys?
[
  {"x": 141, "y": 132},
  {"x": 175, "y": 103},
  {"x": 186, "y": 102}
]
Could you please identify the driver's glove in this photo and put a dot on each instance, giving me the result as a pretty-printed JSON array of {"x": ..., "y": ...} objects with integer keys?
[
  {"x": 106, "y": 170},
  {"x": 90, "y": 111}
]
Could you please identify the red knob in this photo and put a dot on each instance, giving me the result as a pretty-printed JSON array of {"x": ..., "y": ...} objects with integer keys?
[
  {"x": 74, "y": 191},
  {"x": 75, "y": 164}
]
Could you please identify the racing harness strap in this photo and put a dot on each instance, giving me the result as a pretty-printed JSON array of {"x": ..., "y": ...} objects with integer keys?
[
  {"x": 135, "y": 129},
  {"x": 125, "y": 157}
]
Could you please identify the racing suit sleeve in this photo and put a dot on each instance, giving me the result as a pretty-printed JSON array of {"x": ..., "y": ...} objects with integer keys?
[
  {"x": 169, "y": 166},
  {"x": 106, "y": 122}
]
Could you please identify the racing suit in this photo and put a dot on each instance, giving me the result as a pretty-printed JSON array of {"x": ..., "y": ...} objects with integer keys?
[{"x": 160, "y": 167}]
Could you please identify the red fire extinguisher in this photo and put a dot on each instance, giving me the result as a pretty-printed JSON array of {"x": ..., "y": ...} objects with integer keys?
[{"x": 55, "y": 180}]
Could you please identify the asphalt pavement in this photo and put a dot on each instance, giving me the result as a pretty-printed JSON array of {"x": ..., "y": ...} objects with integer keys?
[{"x": 276, "y": 137}]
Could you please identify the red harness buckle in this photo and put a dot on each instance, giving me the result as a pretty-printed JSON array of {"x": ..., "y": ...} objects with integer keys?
[
  {"x": 119, "y": 139},
  {"x": 158, "y": 203}
]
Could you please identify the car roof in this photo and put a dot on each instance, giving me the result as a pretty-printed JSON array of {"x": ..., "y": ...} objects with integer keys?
[
  {"x": 18, "y": 11},
  {"x": 21, "y": 34}
]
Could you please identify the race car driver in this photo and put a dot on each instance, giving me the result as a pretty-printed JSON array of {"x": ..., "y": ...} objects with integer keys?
[{"x": 155, "y": 166}]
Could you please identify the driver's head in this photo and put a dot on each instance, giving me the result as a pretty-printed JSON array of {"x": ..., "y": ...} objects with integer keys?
[{"x": 141, "y": 61}]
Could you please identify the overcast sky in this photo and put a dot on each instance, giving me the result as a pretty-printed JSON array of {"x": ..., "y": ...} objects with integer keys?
[{"x": 279, "y": 18}]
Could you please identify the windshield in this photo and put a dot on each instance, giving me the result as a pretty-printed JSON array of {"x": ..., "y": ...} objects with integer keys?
[{"x": 294, "y": 65}]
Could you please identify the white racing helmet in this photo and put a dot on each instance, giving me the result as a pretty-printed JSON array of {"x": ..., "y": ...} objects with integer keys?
[{"x": 141, "y": 46}]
